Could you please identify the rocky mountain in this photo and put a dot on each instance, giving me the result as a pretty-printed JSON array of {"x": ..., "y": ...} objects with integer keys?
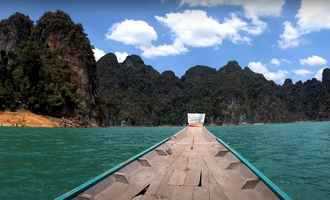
[
  {"x": 48, "y": 68},
  {"x": 14, "y": 30},
  {"x": 126, "y": 91},
  {"x": 136, "y": 94}
]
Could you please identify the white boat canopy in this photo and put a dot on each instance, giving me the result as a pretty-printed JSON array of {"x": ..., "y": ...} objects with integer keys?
[{"x": 196, "y": 119}]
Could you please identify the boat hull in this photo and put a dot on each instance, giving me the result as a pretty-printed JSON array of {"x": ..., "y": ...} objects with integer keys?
[{"x": 192, "y": 164}]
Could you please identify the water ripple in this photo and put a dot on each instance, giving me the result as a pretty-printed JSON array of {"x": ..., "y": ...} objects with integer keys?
[{"x": 296, "y": 156}]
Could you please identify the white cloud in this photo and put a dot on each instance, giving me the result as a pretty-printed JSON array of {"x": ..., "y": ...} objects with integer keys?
[
  {"x": 209, "y": 32},
  {"x": 141, "y": 35},
  {"x": 262, "y": 7},
  {"x": 302, "y": 72},
  {"x": 290, "y": 36},
  {"x": 313, "y": 61},
  {"x": 121, "y": 56},
  {"x": 258, "y": 67},
  {"x": 318, "y": 74},
  {"x": 98, "y": 53},
  {"x": 132, "y": 32},
  {"x": 313, "y": 15},
  {"x": 277, "y": 76},
  {"x": 164, "y": 50},
  {"x": 257, "y": 26},
  {"x": 279, "y": 61},
  {"x": 252, "y": 8},
  {"x": 275, "y": 61}
]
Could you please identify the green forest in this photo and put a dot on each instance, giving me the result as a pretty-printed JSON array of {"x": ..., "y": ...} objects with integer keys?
[{"x": 48, "y": 67}]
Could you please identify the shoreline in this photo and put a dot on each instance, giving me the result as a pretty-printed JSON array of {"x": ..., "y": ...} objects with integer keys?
[
  {"x": 25, "y": 118},
  {"x": 2, "y": 125}
]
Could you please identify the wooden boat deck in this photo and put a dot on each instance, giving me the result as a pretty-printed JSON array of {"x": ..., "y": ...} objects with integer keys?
[{"x": 190, "y": 165}]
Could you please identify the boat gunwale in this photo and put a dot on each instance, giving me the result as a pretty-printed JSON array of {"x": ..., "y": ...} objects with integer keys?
[
  {"x": 90, "y": 183},
  {"x": 93, "y": 181},
  {"x": 270, "y": 184}
]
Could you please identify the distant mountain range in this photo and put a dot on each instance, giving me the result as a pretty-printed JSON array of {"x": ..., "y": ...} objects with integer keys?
[{"x": 48, "y": 68}]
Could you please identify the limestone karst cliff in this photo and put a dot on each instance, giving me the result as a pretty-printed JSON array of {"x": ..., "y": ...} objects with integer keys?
[
  {"x": 48, "y": 67},
  {"x": 137, "y": 94}
]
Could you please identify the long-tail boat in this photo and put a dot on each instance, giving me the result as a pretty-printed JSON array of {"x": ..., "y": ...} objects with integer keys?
[{"x": 192, "y": 164}]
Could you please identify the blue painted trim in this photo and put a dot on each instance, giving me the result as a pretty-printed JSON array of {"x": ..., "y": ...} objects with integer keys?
[
  {"x": 83, "y": 187},
  {"x": 280, "y": 194}
]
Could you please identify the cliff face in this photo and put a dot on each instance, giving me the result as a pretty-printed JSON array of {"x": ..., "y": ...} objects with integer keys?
[
  {"x": 326, "y": 78},
  {"x": 125, "y": 91},
  {"x": 138, "y": 95},
  {"x": 14, "y": 30},
  {"x": 48, "y": 68},
  {"x": 57, "y": 32}
]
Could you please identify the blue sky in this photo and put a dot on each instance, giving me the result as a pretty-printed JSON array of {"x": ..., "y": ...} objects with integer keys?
[{"x": 280, "y": 39}]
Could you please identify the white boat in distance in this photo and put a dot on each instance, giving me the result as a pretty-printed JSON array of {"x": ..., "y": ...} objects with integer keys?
[{"x": 196, "y": 119}]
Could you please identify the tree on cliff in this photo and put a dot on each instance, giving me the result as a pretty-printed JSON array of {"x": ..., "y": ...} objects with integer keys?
[
  {"x": 48, "y": 68},
  {"x": 134, "y": 92}
]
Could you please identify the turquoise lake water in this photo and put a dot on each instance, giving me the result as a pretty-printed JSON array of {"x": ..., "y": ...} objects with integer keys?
[{"x": 44, "y": 163}]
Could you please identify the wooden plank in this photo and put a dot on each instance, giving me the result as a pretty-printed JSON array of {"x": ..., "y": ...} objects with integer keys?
[
  {"x": 180, "y": 169},
  {"x": 177, "y": 178},
  {"x": 182, "y": 192},
  {"x": 158, "y": 188},
  {"x": 139, "y": 181},
  {"x": 216, "y": 178},
  {"x": 201, "y": 191},
  {"x": 194, "y": 170},
  {"x": 114, "y": 191},
  {"x": 216, "y": 190}
]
